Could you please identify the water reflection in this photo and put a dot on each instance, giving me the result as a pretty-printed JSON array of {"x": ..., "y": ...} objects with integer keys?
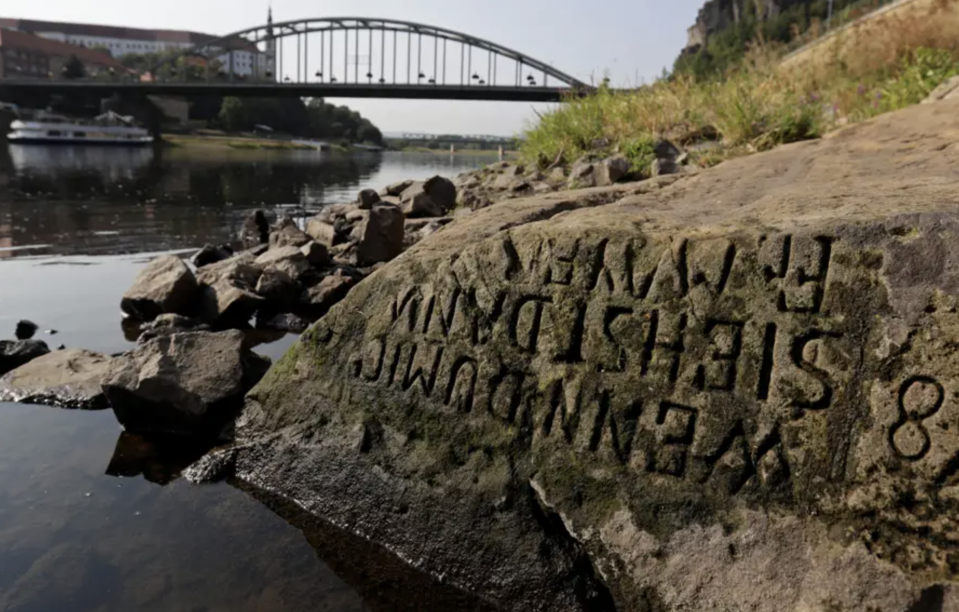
[
  {"x": 100, "y": 200},
  {"x": 159, "y": 459}
]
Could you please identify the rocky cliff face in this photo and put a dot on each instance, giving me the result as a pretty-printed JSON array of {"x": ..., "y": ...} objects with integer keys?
[{"x": 717, "y": 15}]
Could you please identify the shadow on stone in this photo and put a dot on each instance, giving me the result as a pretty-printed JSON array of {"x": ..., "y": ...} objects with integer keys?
[
  {"x": 385, "y": 582},
  {"x": 159, "y": 459}
]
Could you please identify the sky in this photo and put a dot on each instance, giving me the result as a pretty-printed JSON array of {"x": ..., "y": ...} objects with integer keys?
[{"x": 631, "y": 41}]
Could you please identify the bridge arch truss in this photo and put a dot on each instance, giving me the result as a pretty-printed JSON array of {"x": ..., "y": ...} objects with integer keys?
[{"x": 374, "y": 52}]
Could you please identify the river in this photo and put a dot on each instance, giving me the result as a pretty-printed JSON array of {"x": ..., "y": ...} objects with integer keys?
[{"x": 94, "y": 519}]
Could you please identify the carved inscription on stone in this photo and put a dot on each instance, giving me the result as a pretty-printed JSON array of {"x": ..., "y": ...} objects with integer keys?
[{"x": 681, "y": 360}]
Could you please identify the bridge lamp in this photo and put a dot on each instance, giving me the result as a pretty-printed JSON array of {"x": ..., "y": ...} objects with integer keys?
[
  {"x": 532, "y": 83},
  {"x": 332, "y": 79},
  {"x": 482, "y": 82},
  {"x": 382, "y": 81},
  {"x": 422, "y": 76},
  {"x": 269, "y": 73},
  {"x": 476, "y": 77},
  {"x": 319, "y": 75},
  {"x": 287, "y": 79},
  {"x": 432, "y": 81}
]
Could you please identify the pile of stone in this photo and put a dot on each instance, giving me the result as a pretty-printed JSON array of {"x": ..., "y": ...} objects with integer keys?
[{"x": 601, "y": 167}]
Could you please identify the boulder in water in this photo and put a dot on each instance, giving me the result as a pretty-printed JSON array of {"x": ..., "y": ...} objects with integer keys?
[
  {"x": 182, "y": 384},
  {"x": 165, "y": 285}
]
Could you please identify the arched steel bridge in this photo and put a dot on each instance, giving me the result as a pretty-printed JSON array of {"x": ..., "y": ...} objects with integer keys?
[{"x": 342, "y": 57}]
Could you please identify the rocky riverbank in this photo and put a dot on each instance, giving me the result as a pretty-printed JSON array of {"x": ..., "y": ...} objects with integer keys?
[{"x": 592, "y": 387}]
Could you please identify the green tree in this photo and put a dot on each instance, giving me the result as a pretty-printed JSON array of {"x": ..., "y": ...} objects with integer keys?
[
  {"x": 233, "y": 114},
  {"x": 74, "y": 68}
]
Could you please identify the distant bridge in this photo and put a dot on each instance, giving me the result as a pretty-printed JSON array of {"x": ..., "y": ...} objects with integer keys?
[{"x": 354, "y": 57}]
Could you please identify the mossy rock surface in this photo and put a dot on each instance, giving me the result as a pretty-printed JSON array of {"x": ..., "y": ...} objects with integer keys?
[{"x": 734, "y": 390}]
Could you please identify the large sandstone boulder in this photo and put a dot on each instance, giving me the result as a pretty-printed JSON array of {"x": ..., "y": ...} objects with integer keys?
[
  {"x": 69, "y": 379},
  {"x": 166, "y": 284},
  {"x": 431, "y": 198},
  {"x": 288, "y": 235},
  {"x": 15, "y": 353},
  {"x": 737, "y": 390},
  {"x": 182, "y": 384}
]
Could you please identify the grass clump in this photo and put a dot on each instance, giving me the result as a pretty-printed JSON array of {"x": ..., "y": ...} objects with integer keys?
[{"x": 883, "y": 65}]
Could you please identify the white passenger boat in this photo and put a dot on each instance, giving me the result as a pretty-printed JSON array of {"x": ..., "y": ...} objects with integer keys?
[{"x": 109, "y": 128}]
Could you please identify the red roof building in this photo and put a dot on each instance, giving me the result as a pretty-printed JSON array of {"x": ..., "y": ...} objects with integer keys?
[{"x": 27, "y": 56}]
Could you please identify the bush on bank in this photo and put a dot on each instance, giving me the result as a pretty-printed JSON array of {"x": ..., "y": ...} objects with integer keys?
[{"x": 882, "y": 67}]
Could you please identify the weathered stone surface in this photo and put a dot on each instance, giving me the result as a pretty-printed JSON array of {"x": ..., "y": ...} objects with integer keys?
[
  {"x": 380, "y": 235},
  {"x": 317, "y": 254},
  {"x": 610, "y": 170},
  {"x": 287, "y": 259},
  {"x": 735, "y": 390},
  {"x": 288, "y": 235},
  {"x": 227, "y": 290},
  {"x": 166, "y": 284},
  {"x": 211, "y": 254},
  {"x": 168, "y": 324},
  {"x": 945, "y": 91},
  {"x": 581, "y": 174},
  {"x": 421, "y": 205},
  {"x": 279, "y": 288},
  {"x": 328, "y": 292},
  {"x": 182, "y": 383},
  {"x": 396, "y": 189},
  {"x": 321, "y": 231},
  {"x": 367, "y": 198},
  {"x": 68, "y": 379},
  {"x": 15, "y": 353}
]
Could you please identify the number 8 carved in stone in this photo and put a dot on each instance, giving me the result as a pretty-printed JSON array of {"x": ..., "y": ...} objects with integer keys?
[{"x": 920, "y": 397}]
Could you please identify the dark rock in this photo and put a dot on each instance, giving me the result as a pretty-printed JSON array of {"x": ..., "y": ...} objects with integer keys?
[
  {"x": 442, "y": 191},
  {"x": 165, "y": 285},
  {"x": 610, "y": 170},
  {"x": 65, "y": 378},
  {"x": 330, "y": 291},
  {"x": 182, "y": 384},
  {"x": 432, "y": 198},
  {"x": 660, "y": 167},
  {"x": 211, "y": 254},
  {"x": 380, "y": 235},
  {"x": 256, "y": 230},
  {"x": 168, "y": 324},
  {"x": 160, "y": 459},
  {"x": 279, "y": 288},
  {"x": 367, "y": 198},
  {"x": 228, "y": 291},
  {"x": 26, "y": 329},
  {"x": 316, "y": 254},
  {"x": 665, "y": 149},
  {"x": 288, "y": 235},
  {"x": 14, "y": 354},
  {"x": 287, "y": 322}
]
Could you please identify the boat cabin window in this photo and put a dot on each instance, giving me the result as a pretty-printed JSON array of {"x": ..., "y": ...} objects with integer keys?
[
  {"x": 79, "y": 134},
  {"x": 53, "y": 133}
]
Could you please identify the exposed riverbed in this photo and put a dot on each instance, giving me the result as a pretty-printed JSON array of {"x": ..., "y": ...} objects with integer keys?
[{"x": 94, "y": 519}]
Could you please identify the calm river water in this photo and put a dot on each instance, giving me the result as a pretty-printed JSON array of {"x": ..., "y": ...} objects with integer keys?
[{"x": 92, "y": 519}]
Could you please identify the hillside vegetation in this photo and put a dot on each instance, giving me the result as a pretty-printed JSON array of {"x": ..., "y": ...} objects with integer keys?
[{"x": 888, "y": 64}]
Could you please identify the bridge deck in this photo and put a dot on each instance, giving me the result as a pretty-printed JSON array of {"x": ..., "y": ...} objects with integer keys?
[{"x": 320, "y": 90}]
